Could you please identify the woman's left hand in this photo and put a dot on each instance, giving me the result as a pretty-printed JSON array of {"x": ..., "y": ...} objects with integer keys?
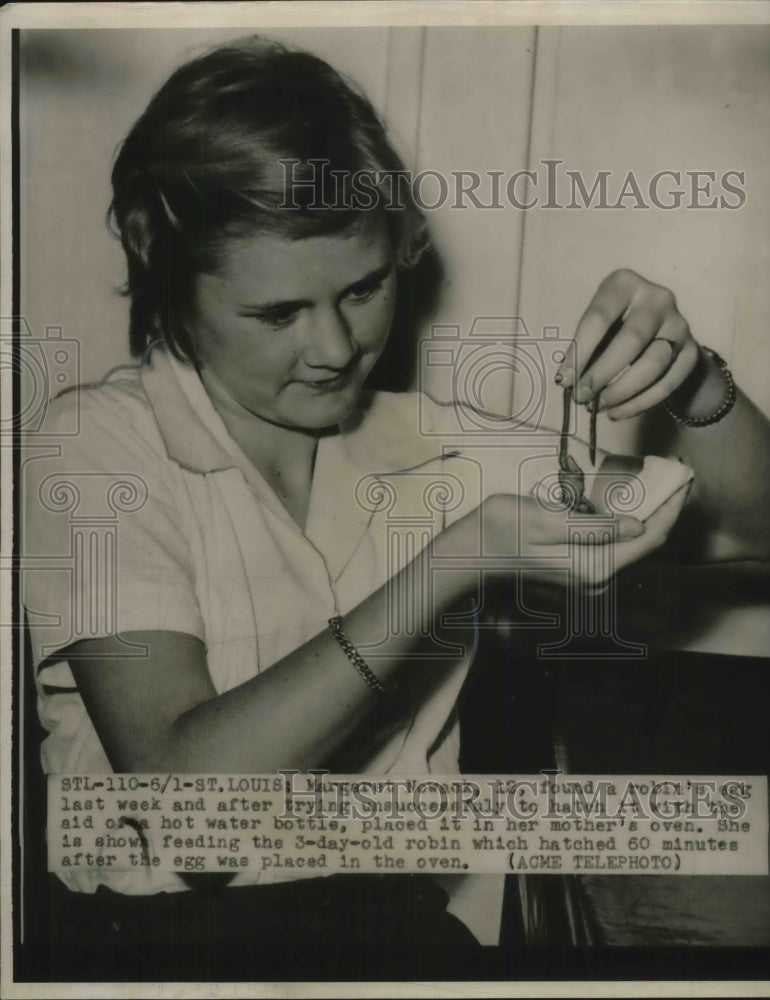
[{"x": 649, "y": 356}]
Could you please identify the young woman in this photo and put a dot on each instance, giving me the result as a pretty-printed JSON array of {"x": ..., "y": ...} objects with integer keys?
[{"x": 249, "y": 629}]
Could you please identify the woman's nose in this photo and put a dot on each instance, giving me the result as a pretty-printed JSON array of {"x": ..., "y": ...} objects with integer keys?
[{"x": 330, "y": 344}]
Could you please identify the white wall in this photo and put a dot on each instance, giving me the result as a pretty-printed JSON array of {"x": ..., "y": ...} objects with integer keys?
[{"x": 649, "y": 99}]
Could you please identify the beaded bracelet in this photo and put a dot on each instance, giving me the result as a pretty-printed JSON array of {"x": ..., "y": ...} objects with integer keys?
[
  {"x": 724, "y": 407},
  {"x": 335, "y": 624}
]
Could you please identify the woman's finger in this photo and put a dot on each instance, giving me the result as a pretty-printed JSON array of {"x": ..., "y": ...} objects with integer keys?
[
  {"x": 649, "y": 368},
  {"x": 653, "y": 363},
  {"x": 595, "y": 553},
  {"x": 587, "y": 529},
  {"x": 662, "y": 389},
  {"x": 594, "y": 561},
  {"x": 586, "y": 533},
  {"x": 610, "y": 302},
  {"x": 627, "y": 347}
]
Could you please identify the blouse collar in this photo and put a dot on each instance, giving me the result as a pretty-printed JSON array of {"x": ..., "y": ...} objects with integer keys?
[{"x": 383, "y": 435}]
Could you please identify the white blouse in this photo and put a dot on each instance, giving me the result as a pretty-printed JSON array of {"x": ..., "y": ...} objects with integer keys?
[{"x": 151, "y": 517}]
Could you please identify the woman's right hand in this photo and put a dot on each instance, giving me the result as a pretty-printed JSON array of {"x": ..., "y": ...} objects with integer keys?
[{"x": 518, "y": 532}]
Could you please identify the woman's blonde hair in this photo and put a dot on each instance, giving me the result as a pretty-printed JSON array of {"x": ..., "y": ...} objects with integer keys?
[{"x": 250, "y": 137}]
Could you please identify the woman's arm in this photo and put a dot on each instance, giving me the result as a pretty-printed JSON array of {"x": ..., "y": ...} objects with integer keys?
[
  {"x": 732, "y": 463},
  {"x": 161, "y": 713},
  {"x": 653, "y": 357}
]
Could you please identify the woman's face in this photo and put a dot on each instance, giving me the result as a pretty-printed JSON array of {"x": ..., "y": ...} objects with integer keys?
[{"x": 289, "y": 329}]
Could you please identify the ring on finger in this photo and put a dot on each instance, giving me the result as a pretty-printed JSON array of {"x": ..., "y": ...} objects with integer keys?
[{"x": 672, "y": 345}]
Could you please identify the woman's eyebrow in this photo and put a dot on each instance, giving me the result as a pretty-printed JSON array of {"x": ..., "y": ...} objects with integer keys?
[
  {"x": 372, "y": 277},
  {"x": 279, "y": 304}
]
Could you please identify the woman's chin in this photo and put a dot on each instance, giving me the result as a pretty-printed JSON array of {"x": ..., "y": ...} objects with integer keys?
[{"x": 320, "y": 411}]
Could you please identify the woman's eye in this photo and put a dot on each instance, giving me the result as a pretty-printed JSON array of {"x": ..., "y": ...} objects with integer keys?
[
  {"x": 277, "y": 319},
  {"x": 365, "y": 292}
]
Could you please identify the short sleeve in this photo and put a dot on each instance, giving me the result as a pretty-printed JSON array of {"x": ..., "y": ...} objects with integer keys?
[{"x": 104, "y": 549}]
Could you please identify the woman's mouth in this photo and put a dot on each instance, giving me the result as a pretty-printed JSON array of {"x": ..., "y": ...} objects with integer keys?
[{"x": 332, "y": 384}]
